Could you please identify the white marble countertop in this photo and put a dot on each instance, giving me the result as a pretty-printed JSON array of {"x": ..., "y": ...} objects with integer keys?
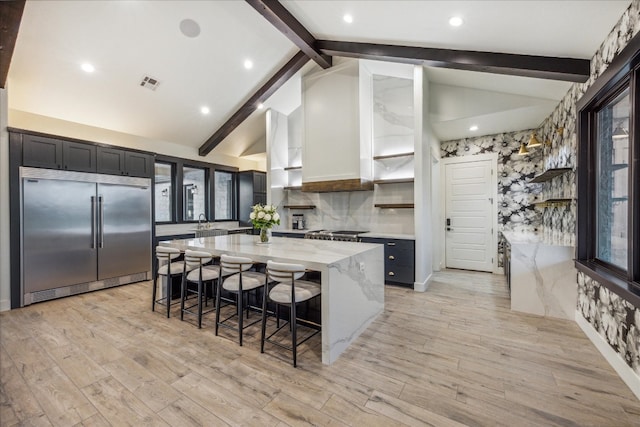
[
  {"x": 290, "y": 230},
  {"x": 529, "y": 238},
  {"x": 311, "y": 253}
]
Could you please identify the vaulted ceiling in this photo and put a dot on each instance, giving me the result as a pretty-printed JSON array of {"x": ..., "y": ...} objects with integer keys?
[{"x": 197, "y": 51}]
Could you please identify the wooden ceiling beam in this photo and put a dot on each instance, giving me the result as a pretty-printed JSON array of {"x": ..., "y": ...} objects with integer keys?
[
  {"x": 10, "y": 17},
  {"x": 262, "y": 94},
  {"x": 274, "y": 12},
  {"x": 543, "y": 67}
]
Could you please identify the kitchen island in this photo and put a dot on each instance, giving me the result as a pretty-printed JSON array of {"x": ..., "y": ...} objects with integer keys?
[{"x": 352, "y": 278}]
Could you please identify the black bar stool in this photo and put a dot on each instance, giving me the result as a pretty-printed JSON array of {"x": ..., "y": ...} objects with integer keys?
[
  {"x": 201, "y": 274},
  {"x": 165, "y": 256},
  {"x": 289, "y": 291}
]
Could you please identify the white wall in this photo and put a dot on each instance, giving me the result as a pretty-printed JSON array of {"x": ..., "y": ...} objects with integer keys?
[
  {"x": 422, "y": 185},
  {"x": 5, "y": 276}
]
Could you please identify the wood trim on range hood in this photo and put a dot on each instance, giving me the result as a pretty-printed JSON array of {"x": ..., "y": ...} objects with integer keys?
[{"x": 356, "y": 184}]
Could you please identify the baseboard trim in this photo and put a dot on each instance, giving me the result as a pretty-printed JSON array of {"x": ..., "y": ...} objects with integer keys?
[
  {"x": 5, "y": 305},
  {"x": 630, "y": 378},
  {"x": 422, "y": 286}
]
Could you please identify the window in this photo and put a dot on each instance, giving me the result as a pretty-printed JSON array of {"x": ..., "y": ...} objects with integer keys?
[
  {"x": 608, "y": 227},
  {"x": 164, "y": 192},
  {"x": 224, "y": 195},
  {"x": 194, "y": 192},
  {"x": 612, "y": 192}
]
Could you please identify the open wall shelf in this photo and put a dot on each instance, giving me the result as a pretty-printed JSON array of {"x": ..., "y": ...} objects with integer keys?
[
  {"x": 392, "y": 156},
  {"x": 549, "y": 174},
  {"x": 299, "y": 206},
  {"x": 393, "y": 181},
  {"x": 551, "y": 203},
  {"x": 394, "y": 205}
]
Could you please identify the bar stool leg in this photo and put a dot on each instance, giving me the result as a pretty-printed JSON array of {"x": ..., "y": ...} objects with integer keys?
[
  {"x": 200, "y": 304},
  {"x": 218, "y": 292},
  {"x": 294, "y": 329},
  {"x": 169, "y": 294},
  {"x": 154, "y": 292},
  {"x": 240, "y": 315}
]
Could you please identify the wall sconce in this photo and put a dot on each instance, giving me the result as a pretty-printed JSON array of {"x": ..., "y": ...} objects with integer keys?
[
  {"x": 523, "y": 150},
  {"x": 534, "y": 141},
  {"x": 194, "y": 189},
  {"x": 165, "y": 192},
  {"x": 619, "y": 132}
]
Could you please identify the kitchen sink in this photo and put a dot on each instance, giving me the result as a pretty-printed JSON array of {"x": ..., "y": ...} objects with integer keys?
[{"x": 210, "y": 232}]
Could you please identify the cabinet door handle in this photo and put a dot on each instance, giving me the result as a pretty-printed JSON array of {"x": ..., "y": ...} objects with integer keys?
[
  {"x": 392, "y": 257},
  {"x": 390, "y": 244},
  {"x": 391, "y": 273}
]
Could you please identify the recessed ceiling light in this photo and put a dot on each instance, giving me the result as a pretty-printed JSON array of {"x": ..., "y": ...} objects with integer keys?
[
  {"x": 204, "y": 110},
  {"x": 189, "y": 28},
  {"x": 248, "y": 64},
  {"x": 455, "y": 21},
  {"x": 88, "y": 67},
  {"x": 473, "y": 128},
  {"x": 260, "y": 106},
  {"x": 348, "y": 18}
]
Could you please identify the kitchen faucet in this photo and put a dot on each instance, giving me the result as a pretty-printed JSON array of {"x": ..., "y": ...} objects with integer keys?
[{"x": 200, "y": 218}]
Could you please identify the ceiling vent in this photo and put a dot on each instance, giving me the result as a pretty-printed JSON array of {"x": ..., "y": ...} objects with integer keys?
[{"x": 150, "y": 82}]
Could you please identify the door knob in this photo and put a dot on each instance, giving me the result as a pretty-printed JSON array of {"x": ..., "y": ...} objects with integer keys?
[{"x": 449, "y": 229}]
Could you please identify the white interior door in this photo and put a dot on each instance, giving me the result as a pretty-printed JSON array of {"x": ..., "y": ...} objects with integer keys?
[{"x": 469, "y": 215}]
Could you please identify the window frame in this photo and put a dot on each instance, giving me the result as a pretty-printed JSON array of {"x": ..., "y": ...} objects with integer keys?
[
  {"x": 622, "y": 73},
  {"x": 178, "y": 184},
  {"x": 234, "y": 194},
  {"x": 173, "y": 188}
]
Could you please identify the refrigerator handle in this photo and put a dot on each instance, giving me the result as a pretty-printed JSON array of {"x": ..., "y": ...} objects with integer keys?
[
  {"x": 101, "y": 219},
  {"x": 94, "y": 223}
]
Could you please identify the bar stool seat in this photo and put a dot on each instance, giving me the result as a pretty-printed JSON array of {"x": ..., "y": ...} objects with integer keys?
[
  {"x": 289, "y": 291},
  {"x": 174, "y": 267},
  {"x": 304, "y": 291},
  {"x": 209, "y": 273},
  {"x": 250, "y": 281}
]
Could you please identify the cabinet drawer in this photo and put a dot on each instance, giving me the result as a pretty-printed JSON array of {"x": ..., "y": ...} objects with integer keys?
[{"x": 400, "y": 274}]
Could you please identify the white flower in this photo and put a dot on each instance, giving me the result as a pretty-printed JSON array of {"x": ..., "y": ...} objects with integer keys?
[
  {"x": 261, "y": 215},
  {"x": 267, "y": 217},
  {"x": 252, "y": 215},
  {"x": 276, "y": 216}
]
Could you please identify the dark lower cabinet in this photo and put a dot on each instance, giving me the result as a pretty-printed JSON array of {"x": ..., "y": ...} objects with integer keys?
[
  {"x": 399, "y": 260},
  {"x": 291, "y": 235}
]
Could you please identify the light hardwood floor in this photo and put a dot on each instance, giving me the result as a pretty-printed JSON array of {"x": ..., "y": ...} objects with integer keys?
[{"x": 455, "y": 355}]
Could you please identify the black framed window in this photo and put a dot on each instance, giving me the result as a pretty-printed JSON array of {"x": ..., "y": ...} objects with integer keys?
[
  {"x": 194, "y": 193},
  {"x": 608, "y": 227},
  {"x": 164, "y": 192},
  {"x": 224, "y": 190}
]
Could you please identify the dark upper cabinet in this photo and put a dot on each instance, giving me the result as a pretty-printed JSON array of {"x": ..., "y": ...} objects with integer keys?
[
  {"x": 111, "y": 161},
  {"x": 115, "y": 161},
  {"x": 252, "y": 189},
  {"x": 51, "y": 153},
  {"x": 79, "y": 157},
  {"x": 138, "y": 164}
]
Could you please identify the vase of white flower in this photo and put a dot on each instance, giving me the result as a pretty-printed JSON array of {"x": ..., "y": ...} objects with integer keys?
[{"x": 263, "y": 217}]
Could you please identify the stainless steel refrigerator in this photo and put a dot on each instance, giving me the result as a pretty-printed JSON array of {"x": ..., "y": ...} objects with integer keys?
[{"x": 82, "y": 231}]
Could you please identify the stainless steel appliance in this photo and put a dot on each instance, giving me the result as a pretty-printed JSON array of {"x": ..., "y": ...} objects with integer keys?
[
  {"x": 82, "y": 231},
  {"x": 298, "y": 222},
  {"x": 339, "y": 235}
]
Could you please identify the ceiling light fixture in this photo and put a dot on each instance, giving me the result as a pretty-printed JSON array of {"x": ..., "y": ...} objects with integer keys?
[
  {"x": 455, "y": 21},
  {"x": 533, "y": 141},
  {"x": 619, "y": 132},
  {"x": 248, "y": 64},
  {"x": 204, "y": 110},
  {"x": 260, "y": 106},
  {"x": 473, "y": 128},
  {"x": 348, "y": 18},
  {"x": 88, "y": 68}
]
